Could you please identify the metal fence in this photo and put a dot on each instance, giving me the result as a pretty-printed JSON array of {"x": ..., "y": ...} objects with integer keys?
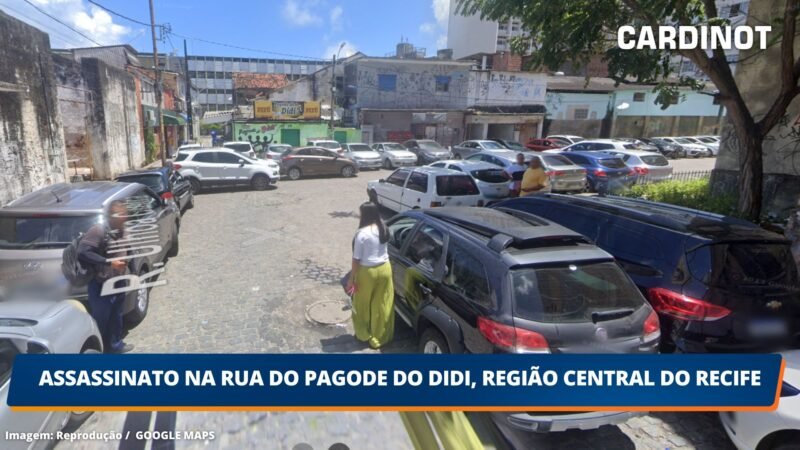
[{"x": 676, "y": 176}]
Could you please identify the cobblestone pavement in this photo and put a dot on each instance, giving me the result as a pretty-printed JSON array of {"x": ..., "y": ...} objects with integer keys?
[{"x": 249, "y": 265}]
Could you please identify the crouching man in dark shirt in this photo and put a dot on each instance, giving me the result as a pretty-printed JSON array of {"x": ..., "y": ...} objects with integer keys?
[{"x": 93, "y": 252}]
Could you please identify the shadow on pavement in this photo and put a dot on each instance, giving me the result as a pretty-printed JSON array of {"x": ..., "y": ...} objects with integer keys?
[{"x": 702, "y": 431}]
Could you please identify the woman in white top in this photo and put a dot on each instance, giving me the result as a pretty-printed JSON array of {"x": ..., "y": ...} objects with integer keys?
[{"x": 371, "y": 280}]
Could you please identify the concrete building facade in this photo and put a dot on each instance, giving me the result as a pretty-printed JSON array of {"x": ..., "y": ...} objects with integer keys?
[
  {"x": 470, "y": 35},
  {"x": 31, "y": 138}
]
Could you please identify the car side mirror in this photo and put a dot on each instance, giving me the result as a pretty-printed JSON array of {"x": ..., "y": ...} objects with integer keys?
[
  {"x": 241, "y": 163},
  {"x": 382, "y": 180},
  {"x": 38, "y": 346}
]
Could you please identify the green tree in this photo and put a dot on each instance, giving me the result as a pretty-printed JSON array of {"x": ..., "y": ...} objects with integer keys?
[
  {"x": 149, "y": 145},
  {"x": 576, "y": 30}
]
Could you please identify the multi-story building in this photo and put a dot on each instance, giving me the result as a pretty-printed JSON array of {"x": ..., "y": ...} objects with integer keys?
[
  {"x": 212, "y": 76},
  {"x": 470, "y": 35}
]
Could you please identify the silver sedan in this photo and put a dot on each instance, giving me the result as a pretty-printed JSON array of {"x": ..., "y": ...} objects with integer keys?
[{"x": 40, "y": 327}]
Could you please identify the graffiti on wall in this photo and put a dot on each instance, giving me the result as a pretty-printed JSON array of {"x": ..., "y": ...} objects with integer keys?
[
  {"x": 503, "y": 87},
  {"x": 415, "y": 87},
  {"x": 260, "y": 135}
]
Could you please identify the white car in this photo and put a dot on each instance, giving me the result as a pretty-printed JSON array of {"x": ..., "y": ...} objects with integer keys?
[
  {"x": 779, "y": 429},
  {"x": 692, "y": 150},
  {"x": 490, "y": 179},
  {"x": 424, "y": 187},
  {"x": 224, "y": 167},
  {"x": 395, "y": 155},
  {"x": 647, "y": 165},
  {"x": 190, "y": 147},
  {"x": 596, "y": 145},
  {"x": 467, "y": 148},
  {"x": 243, "y": 147},
  {"x": 326, "y": 143},
  {"x": 364, "y": 156},
  {"x": 712, "y": 144},
  {"x": 41, "y": 327},
  {"x": 572, "y": 139}
]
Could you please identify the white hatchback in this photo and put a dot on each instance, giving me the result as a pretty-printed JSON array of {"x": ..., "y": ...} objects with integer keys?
[{"x": 424, "y": 187}]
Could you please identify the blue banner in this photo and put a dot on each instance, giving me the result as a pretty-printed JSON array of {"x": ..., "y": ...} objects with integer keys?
[{"x": 393, "y": 382}]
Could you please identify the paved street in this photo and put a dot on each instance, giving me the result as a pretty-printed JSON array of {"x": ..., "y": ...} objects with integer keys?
[{"x": 250, "y": 265}]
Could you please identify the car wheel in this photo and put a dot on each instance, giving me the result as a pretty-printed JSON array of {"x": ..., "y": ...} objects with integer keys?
[
  {"x": 587, "y": 187},
  {"x": 76, "y": 418},
  {"x": 786, "y": 442},
  {"x": 195, "y": 183},
  {"x": 387, "y": 164},
  {"x": 348, "y": 171},
  {"x": 432, "y": 342},
  {"x": 174, "y": 248},
  {"x": 141, "y": 304},
  {"x": 260, "y": 182},
  {"x": 294, "y": 173},
  {"x": 373, "y": 196}
]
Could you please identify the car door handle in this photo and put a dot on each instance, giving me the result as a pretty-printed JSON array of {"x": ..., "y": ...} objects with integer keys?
[{"x": 426, "y": 291}]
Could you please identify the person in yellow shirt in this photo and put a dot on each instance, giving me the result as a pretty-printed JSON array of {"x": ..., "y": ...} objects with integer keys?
[{"x": 535, "y": 179}]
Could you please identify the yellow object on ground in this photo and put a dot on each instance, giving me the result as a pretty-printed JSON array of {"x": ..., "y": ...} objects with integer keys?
[
  {"x": 373, "y": 305},
  {"x": 452, "y": 428}
]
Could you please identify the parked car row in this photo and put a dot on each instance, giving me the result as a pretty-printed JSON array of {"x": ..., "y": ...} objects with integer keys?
[
  {"x": 573, "y": 274},
  {"x": 671, "y": 147}
]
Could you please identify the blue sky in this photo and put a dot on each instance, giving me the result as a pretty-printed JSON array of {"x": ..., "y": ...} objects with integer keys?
[{"x": 307, "y": 28}]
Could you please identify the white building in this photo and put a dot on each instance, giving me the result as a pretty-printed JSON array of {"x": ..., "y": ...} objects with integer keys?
[{"x": 469, "y": 35}]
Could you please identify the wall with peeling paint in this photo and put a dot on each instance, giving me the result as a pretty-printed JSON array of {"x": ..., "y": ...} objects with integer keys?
[{"x": 31, "y": 139}]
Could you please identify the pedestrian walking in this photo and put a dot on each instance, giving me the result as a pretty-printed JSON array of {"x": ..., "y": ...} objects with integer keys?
[
  {"x": 535, "y": 179},
  {"x": 514, "y": 173},
  {"x": 371, "y": 280},
  {"x": 93, "y": 252}
]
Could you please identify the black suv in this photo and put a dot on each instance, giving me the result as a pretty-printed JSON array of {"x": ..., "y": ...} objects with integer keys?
[{"x": 719, "y": 284}]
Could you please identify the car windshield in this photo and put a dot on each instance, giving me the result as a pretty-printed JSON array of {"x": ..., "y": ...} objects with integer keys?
[
  {"x": 706, "y": 140},
  {"x": 394, "y": 147},
  {"x": 359, "y": 148},
  {"x": 43, "y": 231},
  {"x": 572, "y": 293},
  {"x": 492, "y": 145},
  {"x": 153, "y": 181},
  {"x": 513, "y": 145},
  {"x": 683, "y": 141},
  {"x": 731, "y": 265},
  {"x": 330, "y": 145},
  {"x": 612, "y": 163},
  {"x": 430, "y": 145},
  {"x": 555, "y": 160},
  {"x": 655, "y": 160},
  {"x": 489, "y": 175},
  {"x": 456, "y": 185},
  {"x": 244, "y": 148},
  {"x": 577, "y": 139},
  {"x": 180, "y": 157}
]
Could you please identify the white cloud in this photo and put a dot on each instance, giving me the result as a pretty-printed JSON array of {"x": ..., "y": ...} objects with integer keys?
[
  {"x": 349, "y": 49},
  {"x": 427, "y": 28},
  {"x": 299, "y": 13},
  {"x": 441, "y": 11},
  {"x": 90, "y": 20},
  {"x": 336, "y": 18}
]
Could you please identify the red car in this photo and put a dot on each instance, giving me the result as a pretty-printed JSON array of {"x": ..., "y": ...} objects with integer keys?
[{"x": 539, "y": 145}]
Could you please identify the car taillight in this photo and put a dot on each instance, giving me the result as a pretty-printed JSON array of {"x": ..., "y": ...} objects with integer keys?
[
  {"x": 267, "y": 156},
  {"x": 176, "y": 166},
  {"x": 631, "y": 172},
  {"x": 512, "y": 338},
  {"x": 599, "y": 172},
  {"x": 651, "y": 326},
  {"x": 554, "y": 173},
  {"x": 682, "y": 307},
  {"x": 435, "y": 204},
  {"x": 641, "y": 170},
  {"x": 286, "y": 158},
  {"x": 167, "y": 196}
]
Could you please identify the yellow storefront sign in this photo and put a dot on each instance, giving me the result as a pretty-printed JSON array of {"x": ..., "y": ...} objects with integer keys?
[{"x": 266, "y": 109}]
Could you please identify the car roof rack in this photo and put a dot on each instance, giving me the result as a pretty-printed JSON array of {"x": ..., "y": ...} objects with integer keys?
[{"x": 506, "y": 228}]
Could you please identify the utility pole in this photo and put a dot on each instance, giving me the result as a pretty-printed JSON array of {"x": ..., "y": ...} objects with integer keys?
[
  {"x": 333, "y": 93},
  {"x": 162, "y": 134},
  {"x": 188, "y": 91}
]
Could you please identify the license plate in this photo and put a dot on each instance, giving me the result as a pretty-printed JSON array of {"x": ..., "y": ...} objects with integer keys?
[{"x": 763, "y": 328}]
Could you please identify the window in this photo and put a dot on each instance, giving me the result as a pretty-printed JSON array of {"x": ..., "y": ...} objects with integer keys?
[
  {"x": 638, "y": 96},
  {"x": 581, "y": 113},
  {"x": 466, "y": 275},
  {"x": 442, "y": 84},
  {"x": 398, "y": 178},
  {"x": 30, "y": 232},
  {"x": 425, "y": 248},
  {"x": 399, "y": 231},
  {"x": 227, "y": 158},
  {"x": 572, "y": 293},
  {"x": 153, "y": 181},
  {"x": 418, "y": 182},
  {"x": 7, "y": 353},
  {"x": 207, "y": 157},
  {"x": 735, "y": 9},
  {"x": 456, "y": 185},
  {"x": 387, "y": 82},
  {"x": 142, "y": 203}
]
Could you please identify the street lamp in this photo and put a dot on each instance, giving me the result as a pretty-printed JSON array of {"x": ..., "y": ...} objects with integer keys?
[{"x": 333, "y": 87}]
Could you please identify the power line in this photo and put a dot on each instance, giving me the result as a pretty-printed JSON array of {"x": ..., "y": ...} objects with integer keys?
[
  {"x": 62, "y": 23},
  {"x": 165, "y": 29},
  {"x": 67, "y": 39}
]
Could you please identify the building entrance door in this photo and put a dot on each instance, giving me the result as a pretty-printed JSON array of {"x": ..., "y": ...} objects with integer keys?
[{"x": 291, "y": 137}]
